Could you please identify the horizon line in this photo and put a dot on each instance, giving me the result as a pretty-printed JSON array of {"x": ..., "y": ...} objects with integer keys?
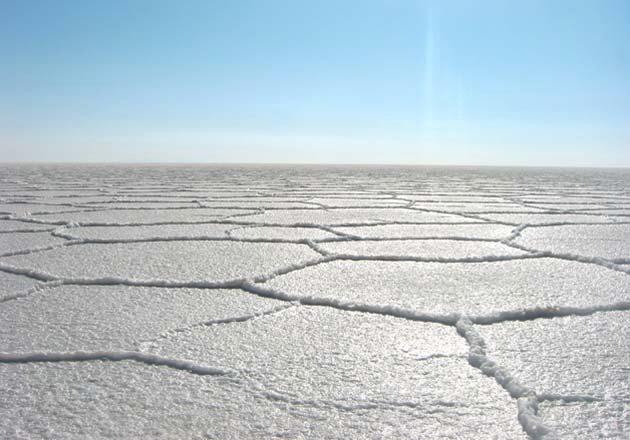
[{"x": 306, "y": 164}]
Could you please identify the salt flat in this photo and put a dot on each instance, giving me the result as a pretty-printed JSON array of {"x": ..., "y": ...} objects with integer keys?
[{"x": 314, "y": 302}]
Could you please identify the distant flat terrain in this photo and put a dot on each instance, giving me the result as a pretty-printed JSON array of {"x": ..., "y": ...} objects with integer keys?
[{"x": 314, "y": 302}]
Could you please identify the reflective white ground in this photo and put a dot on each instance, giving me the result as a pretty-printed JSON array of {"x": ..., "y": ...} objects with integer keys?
[{"x": 248, "y": 302}]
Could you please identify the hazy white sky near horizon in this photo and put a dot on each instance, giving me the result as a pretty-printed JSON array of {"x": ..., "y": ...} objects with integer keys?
[{"x": 410, "y": 82}]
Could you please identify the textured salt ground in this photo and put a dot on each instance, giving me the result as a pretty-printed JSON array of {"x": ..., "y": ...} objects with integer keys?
[
  {"x": 133, "y": 216},
  {"x": 107, "y": 400},
  {"x": 585, "y": 359},
  {"x": 92, "y": 318},
  {"x": 39, "y": 193},
  {"x": 84, "y": 201},
  {"x": 12, "y": 225},
  {"x": 486, "y": 231},
  {"x": 256, "y": 402},
  {"x": 167, "y": 204},
  {"x": 561, "y": 199},
  {"x": 22, "y": 209},
  {"x": 279, "y": 233},
  {"x": 199, "y": 194},
  {"x": 604, "y": 241},
  {"x": 335, "y": 195},
  {"x": 350, "y": 202},
  {"x": 14, "y": 284},
  {"x": 158, "y": 197},
  {"x": 183, "y": 231},
  {"x": 65, "y": 199},
  {"x": 464, "y": 288},
  {"x": 24, "y": 241},
  {"x": 622, "y": 213},
  {"x": 253, "y": 198},
  {"x": 536, "y": 219},
  {"x": 159, "y": 261},
  {"x": 357, "y": 363},
  {"x": 352, "y": 216},
  {"x": 255, "y": 204},
  {"x": 193, "y": 231},
  {"x": 453, "y": 198},
  {"x": 580, "y": 420},
  {"x": 123, "y": 400},
  {"x": 620, "y": 204},
  {"x": 569, "y": 206},
  {"x": 476, "y": 207},
  {"x": 447, "y": 249}
]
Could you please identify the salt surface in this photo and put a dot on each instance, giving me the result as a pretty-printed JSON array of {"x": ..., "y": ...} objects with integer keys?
[{"x": 313, "y": 302}]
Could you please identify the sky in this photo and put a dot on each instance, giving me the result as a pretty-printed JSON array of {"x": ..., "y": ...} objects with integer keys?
[{"x": 540, "y": 83}]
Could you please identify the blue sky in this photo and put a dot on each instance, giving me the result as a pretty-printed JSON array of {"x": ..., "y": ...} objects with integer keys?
[{"x": 370, "y": 81}]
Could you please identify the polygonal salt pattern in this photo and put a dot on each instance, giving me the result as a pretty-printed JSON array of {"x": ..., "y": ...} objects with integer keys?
[
  {"x": 429, "y": 249},
  {"x": 181, "y": 231},
  {"x": 255, "y": 204},
  {"x": 12, "y": 285},
  {"x": 352, "y": 216},
  {"x": 547, "y": 218},
  {"x": 246, "y": 302},
  {"x": 580, "y": 363},
  {"x": 91, "y": 318},
  {"x": 475, "y": 288},
  {"x": 604, "y": 241},
  {"x": 129, "y": 400},
  {"x": 280, "y": 233},
  {"x": 165, "y": 204},
  {"x": 454, "y": 198},
  {"x": 128, "y": 216},
  {"x": 472, "y": 208},
  {"x": 160, "y": 262},
  {"x": 22, "y": 209},
  {"x": 484, "y": 231},
  {"x": 569, "y": 206},
  {"x": 331, "y": 359},
  {"x": 24, "y": 241},
  {"x": 9, "y": 226},
  {"x": 621, "y": 213},
  {"x": 594, "y": 364},
  {"x": 593, "y": 419},
  {"x": 338, "y": 202}
]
